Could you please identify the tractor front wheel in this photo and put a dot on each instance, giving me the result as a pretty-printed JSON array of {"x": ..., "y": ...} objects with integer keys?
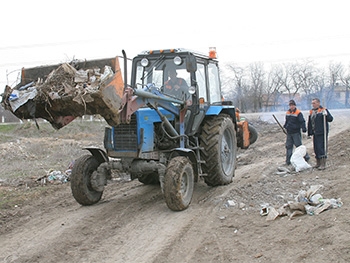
[
  {"x": 179, "y": 183},
  {"x": 82, "y": 189}
]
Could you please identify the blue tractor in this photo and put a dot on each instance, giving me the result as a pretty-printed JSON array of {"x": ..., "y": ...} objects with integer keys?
[{"x": 166, "y": 136}]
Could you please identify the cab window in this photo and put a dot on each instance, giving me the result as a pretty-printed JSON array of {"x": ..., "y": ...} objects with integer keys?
[
  {"x": 214, "y": 83},
  {"x": 200, "y": 78}
]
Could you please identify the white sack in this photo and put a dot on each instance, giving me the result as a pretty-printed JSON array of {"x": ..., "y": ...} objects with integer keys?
[{"x": 297, "y": 159}]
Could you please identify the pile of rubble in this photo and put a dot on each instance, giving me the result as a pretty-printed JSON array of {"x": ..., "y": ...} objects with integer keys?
[
  {"x": 307, "y": 202},
  {"x": 65, "y": 94}
]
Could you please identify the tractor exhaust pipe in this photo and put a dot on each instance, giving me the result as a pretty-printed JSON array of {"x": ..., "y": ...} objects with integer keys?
[{"x": 125, "y": 69}]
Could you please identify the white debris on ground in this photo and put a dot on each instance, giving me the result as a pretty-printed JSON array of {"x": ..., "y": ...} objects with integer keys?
[{"x": 306, "y": 202}]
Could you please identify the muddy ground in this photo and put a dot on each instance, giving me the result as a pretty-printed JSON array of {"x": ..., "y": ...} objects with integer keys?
[{"x": 43, "y": 223}]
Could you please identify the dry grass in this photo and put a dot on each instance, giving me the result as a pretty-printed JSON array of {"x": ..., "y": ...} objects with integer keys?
[{"x": 28, "y": 154}]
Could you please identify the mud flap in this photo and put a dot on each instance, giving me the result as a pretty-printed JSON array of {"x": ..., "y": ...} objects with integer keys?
[{"x": 243, "y": 133}]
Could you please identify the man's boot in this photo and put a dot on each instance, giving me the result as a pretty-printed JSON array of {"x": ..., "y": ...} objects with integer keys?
[
  {"x": 318, "y": 163},
  {"x": 322, "y": 164}
]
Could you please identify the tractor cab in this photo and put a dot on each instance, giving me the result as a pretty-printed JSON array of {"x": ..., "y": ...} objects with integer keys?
[{"x": 197, "y": 79}]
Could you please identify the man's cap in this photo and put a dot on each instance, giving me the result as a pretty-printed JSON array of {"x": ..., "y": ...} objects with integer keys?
[
  {"x": 171, "y": 68},
  {"x": 292, "y": 102}
]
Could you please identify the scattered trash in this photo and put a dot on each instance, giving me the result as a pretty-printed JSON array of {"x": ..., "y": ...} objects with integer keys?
[
  {"x": 272, "y": 214},
  {"x": 24, "y": 87},
  {"x": 283, "y": 171},
  {"x": 242, "y": 206},
  {"x": 69, "y": 169},
  {"x": 20, "y": 97},
  {"x": 14, "y": 96},
  {"x": 316, "y": 199},
  {"x": 306, "y": 202},
  {"x": 264, "y": 211},
  {"x": 259, "y": 255},
  {"x": 57, "y": 176},
  {"x": 231, "y": 203}
]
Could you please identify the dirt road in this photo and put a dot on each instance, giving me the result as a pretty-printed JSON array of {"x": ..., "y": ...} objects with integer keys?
[{"x": 133, "y": 224}]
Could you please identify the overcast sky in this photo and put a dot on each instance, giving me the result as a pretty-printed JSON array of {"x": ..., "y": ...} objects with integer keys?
[{"x": 38, "y": 32}]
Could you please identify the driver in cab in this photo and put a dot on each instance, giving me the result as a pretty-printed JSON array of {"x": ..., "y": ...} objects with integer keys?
[{"x": 177, "y": 87}]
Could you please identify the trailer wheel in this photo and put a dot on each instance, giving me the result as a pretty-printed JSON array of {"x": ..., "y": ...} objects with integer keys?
[
  {"x": 81, "y": 187},
  {"x": 219, "y": 149},
  {"x": 178, "y": 183},
  {"x": 253, "y": 134}
]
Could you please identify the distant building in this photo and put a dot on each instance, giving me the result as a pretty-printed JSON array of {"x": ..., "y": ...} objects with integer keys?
[
  {"x": 341, "y": 96},
  {"x": 279, "y": 101}
]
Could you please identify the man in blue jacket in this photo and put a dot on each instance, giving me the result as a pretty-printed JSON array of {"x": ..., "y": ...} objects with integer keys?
[
  {"x": 294, "y": 123},
  {"x": 318, "y": 127}
]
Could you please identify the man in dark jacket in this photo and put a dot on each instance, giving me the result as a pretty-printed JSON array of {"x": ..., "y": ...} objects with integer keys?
[
  {"x": 294, "y": 122},
  {"x": 318, "y": 127},
  {"x": 176, "y": 87}
]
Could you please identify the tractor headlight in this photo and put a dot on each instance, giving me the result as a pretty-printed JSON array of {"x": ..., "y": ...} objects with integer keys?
[
  {"x": 192, "y": 90},
  {"x": 177, "y": 60},
  {"x": 144, "y": 62}
]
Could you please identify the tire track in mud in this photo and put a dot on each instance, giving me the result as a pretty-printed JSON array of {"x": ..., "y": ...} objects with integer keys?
[
  {"x": 206, "y": 247},
  {"x": 131, "y": 224},
  {"x": 152, "y": 232},
  {"x": 75, "y": 231}
]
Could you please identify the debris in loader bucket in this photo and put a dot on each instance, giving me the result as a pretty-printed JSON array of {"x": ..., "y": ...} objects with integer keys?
[{"x": 66, "y": 93}]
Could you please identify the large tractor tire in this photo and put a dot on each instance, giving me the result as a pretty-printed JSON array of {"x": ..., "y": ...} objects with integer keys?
[
  {"x": 178, "y": 183},
  {"x": 219, "y": 149},
  {"x": 80, "y": 179}
]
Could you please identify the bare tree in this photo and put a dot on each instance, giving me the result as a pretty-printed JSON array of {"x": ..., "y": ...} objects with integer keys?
[
  {"x": 320, "y": 84},
  {"x": 255, "y": 89},
  {"x": 335, "y": 70},
  {"x": 285, "y": 78},
  {"x": 257, "y": 77},
  {"x": 303, "y": 78},
  {"x": 240, "y": 90},
  {"x": 344, "y": 76},
  {"x": 273, "y": 86}
]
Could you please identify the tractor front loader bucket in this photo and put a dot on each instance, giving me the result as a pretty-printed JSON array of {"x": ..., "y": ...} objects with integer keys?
[{"x": 60, "y": 93}]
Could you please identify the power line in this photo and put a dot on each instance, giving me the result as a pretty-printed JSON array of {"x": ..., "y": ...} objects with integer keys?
[{"x": 48, "y": 44}]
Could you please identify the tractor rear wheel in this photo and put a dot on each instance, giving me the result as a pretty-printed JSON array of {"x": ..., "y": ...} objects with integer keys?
[
  {"x": 219, "y": 149},
  {"x": 81, "y": 187},
  {"x": 178, "y": 183}
]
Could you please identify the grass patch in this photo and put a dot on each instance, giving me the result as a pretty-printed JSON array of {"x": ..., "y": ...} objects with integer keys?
[
  {"x": 11, "y": 197},
  {"x": 27, "y": 152},
  {"x": 7, "y": 131},
  {"x": 8, "y": 128},
  {"x": 29, "y": 129}
]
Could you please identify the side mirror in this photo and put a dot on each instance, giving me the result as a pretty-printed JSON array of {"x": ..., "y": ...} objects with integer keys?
[{"x": 191, "y": 63}]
